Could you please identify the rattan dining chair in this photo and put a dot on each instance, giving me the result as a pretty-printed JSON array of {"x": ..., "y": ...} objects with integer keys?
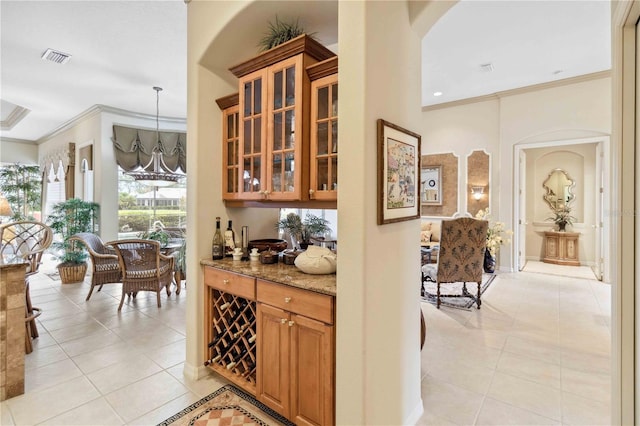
[
  {"x": 28, "y": 240},
  {"x": 144, "y": 268},
  {"x": 106, "y": 267}
]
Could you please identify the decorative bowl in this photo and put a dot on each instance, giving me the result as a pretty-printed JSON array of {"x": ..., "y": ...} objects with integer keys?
[
  {"x": 268, "y": 244},
  {"x": 268, "y": 257}
]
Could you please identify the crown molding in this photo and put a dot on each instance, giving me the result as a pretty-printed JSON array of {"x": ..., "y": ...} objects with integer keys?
[
  {"x": 21, "y": 141},
  {"x": 14, "y": 118},
  {"x": 98, "y": 109},
  {"x": 520, "y": 90}
]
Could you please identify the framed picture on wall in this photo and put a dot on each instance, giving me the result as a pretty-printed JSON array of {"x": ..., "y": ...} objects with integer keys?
[
  {"x": 431, "y": 184},
  {"x": 398, "y": 173}
]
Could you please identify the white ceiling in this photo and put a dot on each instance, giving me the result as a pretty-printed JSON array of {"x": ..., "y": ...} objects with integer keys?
[{"x": 121, "y": 49}]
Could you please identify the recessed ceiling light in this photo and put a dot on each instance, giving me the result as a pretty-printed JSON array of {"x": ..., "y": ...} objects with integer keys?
[
  {"x": 488, "y": 67},
  {"x": 437, "y": 93}
]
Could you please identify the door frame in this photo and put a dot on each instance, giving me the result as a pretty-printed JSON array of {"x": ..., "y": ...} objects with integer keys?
[{"x": 519, "y": 237}]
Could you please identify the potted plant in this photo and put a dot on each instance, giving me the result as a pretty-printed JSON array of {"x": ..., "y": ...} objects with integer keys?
[
  {"x": 280, "y": 32},
  {"x": 67, "y": 219},
  {"x": 562, "y": 217},
  {"x": 495, "y": 239},
  {"x": 301, "y": 231},
  {"x": 158, "y": 235}
]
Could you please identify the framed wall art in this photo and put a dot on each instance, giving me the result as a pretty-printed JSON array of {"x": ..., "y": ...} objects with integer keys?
[
  {"x": 398, "y": 173},
  {"x": 431, "y": 184}
]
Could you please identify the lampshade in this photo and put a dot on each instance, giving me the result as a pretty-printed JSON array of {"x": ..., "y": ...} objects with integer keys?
[
  {"x": 156, "y": 172},
  {"x": 5, "y": 208}
]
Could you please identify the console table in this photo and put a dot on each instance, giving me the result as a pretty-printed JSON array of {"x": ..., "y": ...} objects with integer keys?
[{"x": 561, "y": 248}]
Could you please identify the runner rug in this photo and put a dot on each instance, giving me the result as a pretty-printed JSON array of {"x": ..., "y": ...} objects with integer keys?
[
  {"x": 456, "y": 288},
  {"x": 227, "y": 406}
]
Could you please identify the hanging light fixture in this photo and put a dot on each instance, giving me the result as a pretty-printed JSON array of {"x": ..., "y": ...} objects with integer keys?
[{"x": 156, "y": 172}]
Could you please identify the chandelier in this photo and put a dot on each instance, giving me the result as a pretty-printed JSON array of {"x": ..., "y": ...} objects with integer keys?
[{"x": 156, "y": 172}]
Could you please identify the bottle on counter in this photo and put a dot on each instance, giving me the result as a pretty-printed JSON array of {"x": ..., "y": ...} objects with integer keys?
[
  {"x": 229, "y": 240},
  {"x": 217, "y": 245}
]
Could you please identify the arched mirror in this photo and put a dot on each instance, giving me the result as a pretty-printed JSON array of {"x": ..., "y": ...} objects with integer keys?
[{"x": 559, "y": 187}]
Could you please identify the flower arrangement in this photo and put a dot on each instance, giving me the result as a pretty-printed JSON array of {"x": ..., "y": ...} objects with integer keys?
[
  {"x": 562, "y": 217},
  {"x": 495, "y": 232}
]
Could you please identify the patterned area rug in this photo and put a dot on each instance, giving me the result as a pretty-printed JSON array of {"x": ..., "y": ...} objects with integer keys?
[
  {"x": 227, "y": 406},
  {"x": 456, "y": 288}
]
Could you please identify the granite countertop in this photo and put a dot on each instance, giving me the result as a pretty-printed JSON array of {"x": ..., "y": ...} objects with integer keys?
[{"x": 278, "y": 273}]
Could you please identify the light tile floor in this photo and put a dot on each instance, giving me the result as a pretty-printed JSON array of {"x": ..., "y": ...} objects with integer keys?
[{"x": 536, "y": 353}]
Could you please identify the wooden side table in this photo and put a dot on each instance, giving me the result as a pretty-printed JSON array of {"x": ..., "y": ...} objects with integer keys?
[{"x": 561, "y": 248}]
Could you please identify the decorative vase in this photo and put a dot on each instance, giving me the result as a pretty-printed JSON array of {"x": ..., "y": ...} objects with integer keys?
[
  {"x": 562, "y": 226},
  {"x": 489, "y": 262}
]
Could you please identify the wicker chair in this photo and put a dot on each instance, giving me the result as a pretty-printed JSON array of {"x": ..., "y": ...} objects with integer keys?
[
  {"x": 144, "y": 268},
  {"x": 462, "y": 246},
  {"x": 29, "y": 240},
  {"x": 106, "y": 267}
]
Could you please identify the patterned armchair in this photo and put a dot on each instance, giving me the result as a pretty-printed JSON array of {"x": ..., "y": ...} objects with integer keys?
[
  {"x": 106, "y": 268},
  {"x": 462, "y": 246},
  {"x": 144, "y": 268}
]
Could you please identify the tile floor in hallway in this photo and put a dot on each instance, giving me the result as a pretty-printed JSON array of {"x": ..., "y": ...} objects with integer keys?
[{"x": 536, "y": 353}]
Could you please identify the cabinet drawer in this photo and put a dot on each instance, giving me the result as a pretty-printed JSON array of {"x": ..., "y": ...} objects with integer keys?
[
  {"x": 239, "y": 285},
  {"x": 313, "y": 305}
]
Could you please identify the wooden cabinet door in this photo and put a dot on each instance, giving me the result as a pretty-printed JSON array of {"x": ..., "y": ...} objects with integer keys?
[
  {"x": 273, "y": 358},
  {"x": 285, "y": 138},
  {"x": 323, "y": 180},
  {"x": 253, "y": 118},
  {"x": 230, "y": 152},
  {"x": 312, "y": 372}
]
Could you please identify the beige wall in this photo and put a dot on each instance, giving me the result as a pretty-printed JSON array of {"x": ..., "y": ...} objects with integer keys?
[
  {"x": 569, "y": 112},
  {"x": 18, "y": 152}
]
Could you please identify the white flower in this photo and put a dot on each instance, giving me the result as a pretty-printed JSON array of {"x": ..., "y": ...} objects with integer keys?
[{"x": 494, "y": 232}]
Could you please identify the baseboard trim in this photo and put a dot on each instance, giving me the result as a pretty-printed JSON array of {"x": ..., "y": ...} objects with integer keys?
[
  {"x": 195, "y": 372},
  {"x": 415, "y": 414}
]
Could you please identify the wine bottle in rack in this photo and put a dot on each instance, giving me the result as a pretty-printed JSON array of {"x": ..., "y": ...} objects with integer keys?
[
  {"x": 213, "y": 359},
  {"x": 251, "y": 367},
  {"x": 238, "y": 358}
]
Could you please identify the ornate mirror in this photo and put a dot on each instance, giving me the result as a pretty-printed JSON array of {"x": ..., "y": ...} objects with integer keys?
[{"x": 559, "y": 187}]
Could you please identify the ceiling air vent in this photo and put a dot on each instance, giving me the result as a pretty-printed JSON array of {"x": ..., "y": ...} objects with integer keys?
[
  {"x": 56, "y": 56},
  {"x": 486, "y": 67}
]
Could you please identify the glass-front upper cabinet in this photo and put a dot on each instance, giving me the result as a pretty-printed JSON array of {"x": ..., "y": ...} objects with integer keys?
[
  {"x": 285, "y": 141},
  {"x": 230, "y": 147},
  {"x": 253, "y": 127},
  {"x": 324, "y": 138},
  {"x": 274, "y": 121}
]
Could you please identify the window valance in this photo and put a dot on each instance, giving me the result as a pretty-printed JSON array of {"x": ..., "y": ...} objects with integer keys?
[{"x": 133, "y": 148}]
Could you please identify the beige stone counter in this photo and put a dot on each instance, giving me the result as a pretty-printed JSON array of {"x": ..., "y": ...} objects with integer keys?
[{"x": 279, "y": 273}]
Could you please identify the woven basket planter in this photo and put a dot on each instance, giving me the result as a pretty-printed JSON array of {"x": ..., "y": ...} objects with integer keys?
[{"x": 72, "y": 273}]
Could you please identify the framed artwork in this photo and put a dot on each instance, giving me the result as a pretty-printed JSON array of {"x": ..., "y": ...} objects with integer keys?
[
  {"x": 398, "y": 173},
  {"x": 431, "y": 184}
]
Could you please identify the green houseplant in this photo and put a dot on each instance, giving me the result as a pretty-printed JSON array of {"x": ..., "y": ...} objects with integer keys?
[
  {"x": 562, "y": 217},
  {"x": 300, "y": 230},
  {"x": 67, "y": 219},
  {"x": 280, "y": 32},
  {"x": 21, "y": 186}
]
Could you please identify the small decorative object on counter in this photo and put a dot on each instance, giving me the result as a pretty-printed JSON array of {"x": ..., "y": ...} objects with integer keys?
[
  {"x": 268, "y": 257},
  {"x": 268, "y": 244},
  {"x": 289, "y": 256},
  {"x": 245, "y": 242},
  {"x": 254, "y": 256},
  {"x": 237, "y": 253},
  {"x": 317, "y": 260}
]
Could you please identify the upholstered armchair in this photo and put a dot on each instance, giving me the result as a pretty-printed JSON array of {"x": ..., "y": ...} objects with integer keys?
[
  {"x": 144, "y": 268},
  {"x": 462, "y": 246},
  {"x": 106, "y": 267}
]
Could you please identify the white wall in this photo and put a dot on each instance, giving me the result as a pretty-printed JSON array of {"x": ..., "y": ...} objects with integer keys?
[
  {"x": 579, "y": 110},
  {"x": 18, "y": 152}
]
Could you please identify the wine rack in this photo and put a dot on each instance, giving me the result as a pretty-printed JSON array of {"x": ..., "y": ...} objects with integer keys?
[{"x": 231, "y": 347}]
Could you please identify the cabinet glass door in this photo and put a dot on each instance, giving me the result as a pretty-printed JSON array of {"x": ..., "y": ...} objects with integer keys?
[
  {"x": 324, "y": 138},
  {"x": 285, "y": 137},
  {"x": 231, "y": 150},
  {"x": 252, "y": 106}
]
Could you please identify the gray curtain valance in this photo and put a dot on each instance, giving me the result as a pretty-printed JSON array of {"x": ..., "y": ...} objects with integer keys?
[{"x": 133, "y": 148}]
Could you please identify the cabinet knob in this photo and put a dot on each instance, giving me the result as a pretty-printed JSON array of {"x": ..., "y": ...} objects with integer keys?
[
  {"x": 311, "y": 192},
  {"x": 225, "y": 282},
  {"x": 291, "y": 323},
  {"x": 287, "y": 299},
  {"x": 283, "y": 321}
]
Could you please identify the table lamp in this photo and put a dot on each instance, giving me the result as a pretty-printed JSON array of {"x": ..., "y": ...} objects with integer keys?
[{"x": 5, "y": 208}]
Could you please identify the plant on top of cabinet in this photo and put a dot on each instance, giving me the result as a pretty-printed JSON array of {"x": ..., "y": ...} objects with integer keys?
[{"x": 280, "y": 32}]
